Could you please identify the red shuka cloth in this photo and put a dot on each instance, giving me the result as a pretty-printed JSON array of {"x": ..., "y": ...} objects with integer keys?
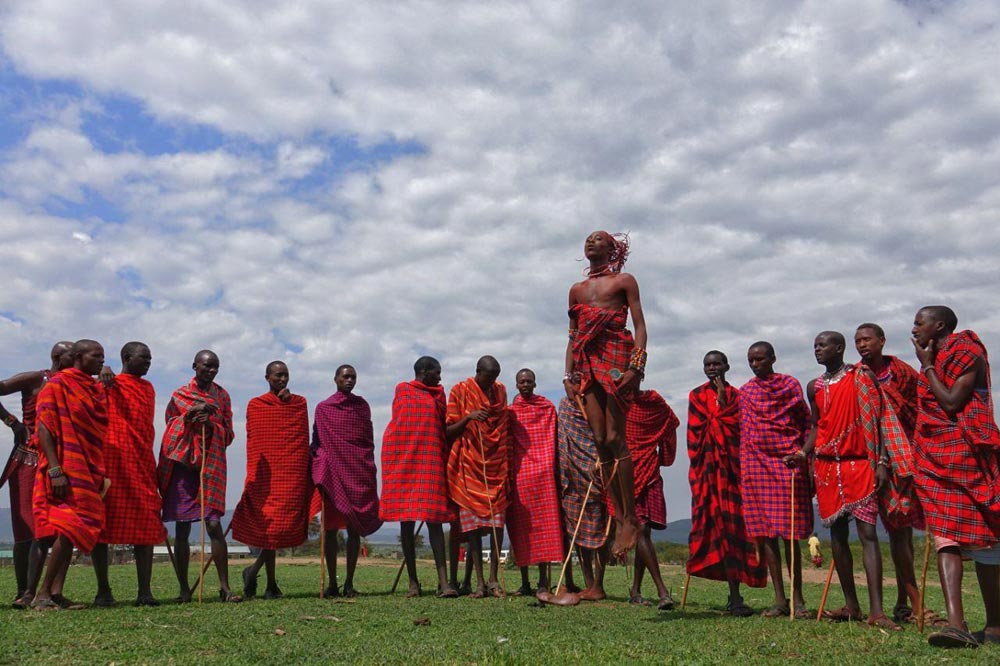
[
  {"x": 477, "y": 463},
  {"x": 958, "y": 459},
  {"x": 133, "y": 501},
  {"x": 182, "y": 440},
  {"x": 533, "y": 516},
  {"x": 344, "y": 466},
  {"x": 601, "y": 344},
  {"x": 20, "y": 471},
  {"x": 273, "y": 511},
  {"x": 718, "y": 545},
  {"x": 73, "y": 409},
  {"x": 414, "y": 457},
  {"x": 773, "y": 423}
]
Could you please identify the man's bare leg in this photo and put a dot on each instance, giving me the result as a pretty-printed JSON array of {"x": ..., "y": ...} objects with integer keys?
[
  {"x": 353, "y": 550},
  {"x": 250, "y": 573},
  {"x": 525, "y": 589},
  {"x": 772, "y": 555},
  {"x": 410, "y": 555},
  {"x": 871, "y": 555},
  {"x": 435, "y": 533},
  {"x": 593, "y": 562},
  {"x": 543, "y": 576},
  {"x": 37, "y": 553},
  {"x": 989, "y": 586},
  {"x": 22, "y": 553},
  {"x": 474, "y": 549},
  {"x": 330, "y": 554},
  {"x": 55, "y": 572},
  {"x": 844, "y": 562},
  {"x": 182, "y": 558},
  {"x": 646, "y": 559},
  {"x": 144, "y": 575},
  {"x": 272, "y": 591},
  {"x": 901, "y": 547},
  {"x": 454, "y": 552},
  {"x": 496, "y": 539},
  {"x": 99, "y": 558},
  {"x": 220, "y": 555}
]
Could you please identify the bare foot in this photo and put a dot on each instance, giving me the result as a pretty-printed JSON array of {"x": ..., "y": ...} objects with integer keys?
[
  {"x": 626, "y": 535},
  {"x": 414, "y": 590},
  {"x": 593, "y": 595}
]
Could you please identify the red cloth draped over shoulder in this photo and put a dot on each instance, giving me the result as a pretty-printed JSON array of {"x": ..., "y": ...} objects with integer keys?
[
  {"x": 719, "y": 547},
  {"x": 414, "y": 457},
  {"x": 533, "y": 516},
  {"x": 182, "y": 440},
  {"x": 958, "y": 459},
  {"x": 478, "y": 461},
  {"x": 73, "y": 409},
  {"x": 133, "y": 501},
  {"x": 344, "y": 466},
  {"x": 601, "y": 344},
  {"x": 273, "y": 511}
]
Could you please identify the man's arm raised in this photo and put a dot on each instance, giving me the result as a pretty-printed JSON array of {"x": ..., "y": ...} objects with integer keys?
[
  {"x": 24, "y": 382},
  {"x": 952, "y": 400}
]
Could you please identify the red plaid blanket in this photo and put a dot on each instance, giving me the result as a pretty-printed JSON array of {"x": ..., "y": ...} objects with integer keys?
[
  {"x": 533, "y": 515},
  {"x": 273, "y": 511},
  {"x": 577, "y": 456},
  {"x": 73, "y": 409},
  {"x": 602, "y": 344},
  {"x": 958, "y": 471},
  {"x": 718, "y": 545},
  {"x": 133, "y": 501},
  {"x": 414, "y": 457},
  {"x": 182, "y": 443}
]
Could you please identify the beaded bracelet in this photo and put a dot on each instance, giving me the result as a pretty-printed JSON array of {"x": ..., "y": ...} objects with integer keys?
[
  {"x": 638, "y": 361},
  {"x": 10, "y": 420},
  {"x": 55, "y": 471}
]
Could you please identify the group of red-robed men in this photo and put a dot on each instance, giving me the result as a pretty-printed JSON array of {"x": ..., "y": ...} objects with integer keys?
[
  {"x": 921, "y": 449},
  {"x": 83, "y": 474}
]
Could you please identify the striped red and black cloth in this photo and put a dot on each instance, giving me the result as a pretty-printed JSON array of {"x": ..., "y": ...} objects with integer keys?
[
  {"x": 20, "y": 470},
  {"x": 414, "y": 457},
  {"x": 577, "y": 460},
  {"x": 958, "y": 459},
  {"x": 344, "y": 463},
  {"x": 533, "y": 516},
  {"x": 73, "y": 409},
  {"x": 273, "y": 511},
  {"x": 132, "y": 502},
  {"x": 600, "y": 344},
  {"x": 182, "y": 446},
  {"x": 774, "y": 420},
  {"x": 718, "y": 545},
  {"x": 478, "y": 460}
]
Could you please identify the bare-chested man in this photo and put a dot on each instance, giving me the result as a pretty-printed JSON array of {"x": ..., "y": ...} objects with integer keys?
[
  {"x": 605, "y": 364},
  {"x": 20, "y": 471}
]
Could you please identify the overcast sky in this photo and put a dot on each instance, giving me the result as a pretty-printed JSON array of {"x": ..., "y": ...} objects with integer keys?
[{"x": 340, "y": 182}]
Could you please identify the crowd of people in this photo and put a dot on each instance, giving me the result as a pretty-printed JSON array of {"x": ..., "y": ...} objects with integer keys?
[{"x": 875, "y": 439}]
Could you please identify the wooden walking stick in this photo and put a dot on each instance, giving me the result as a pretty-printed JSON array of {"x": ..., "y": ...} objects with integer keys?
[
  {"x": 322, "y": 550},
  {"x": 923, "y": 582},
  {"x": 826, "y": 590},
  {"x": 489, "y": 499},
  {"x": 791, "y": 559},
  {"x": 402, "y": 564},
  {"x": 684, "y": 596},
  {"x": 201, "y": 492}
]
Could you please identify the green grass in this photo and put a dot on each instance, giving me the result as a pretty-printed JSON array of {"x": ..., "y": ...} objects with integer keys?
[{"x": 379, "y": 628}]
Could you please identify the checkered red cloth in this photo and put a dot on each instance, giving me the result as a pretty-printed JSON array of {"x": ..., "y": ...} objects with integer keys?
[
  {"x": 577, "y": 457},
  {"x": 273, "y": 511},
  {"x": 601, "y": 344},
  {"x": 898, "y": 381},
  {"x": 774, "y": 419},
  {"x": 958, "y": 471},
  {"x": 533, "y": 516},
  {"x": 344, "y": 463},
  {"x": 478, "y": 461},
  {"x": 719, "y": 547},
  {"x": 182, "y": 444},
  {"x": 132, "y": 502},
  {"x": 414, "y": 457},
  {"x": 73, "y": 409}
]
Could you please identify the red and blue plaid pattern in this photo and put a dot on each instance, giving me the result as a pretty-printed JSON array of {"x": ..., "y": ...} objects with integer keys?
[{"x": 577, "y": 458}]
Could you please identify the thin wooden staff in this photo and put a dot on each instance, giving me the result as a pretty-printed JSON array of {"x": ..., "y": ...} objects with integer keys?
[
  {"x": 826, "y": 590},
  {"x": 402, "y": 564},
  {"x": 489, "y": 499},
  {"x": 684, "y": 596},
  {"x": 322, "y": 550},
  {"x": 923, "y": 582},
  {"x": 791, "y": 545},
  {"x": 206, "y": 565},
  {"x": 201, "y": 492}
]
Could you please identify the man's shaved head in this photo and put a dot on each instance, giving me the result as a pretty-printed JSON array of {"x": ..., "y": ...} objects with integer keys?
[
  {"x": 206, "y": 353},
  {"x": 425, "y": 364},
  {"x": 488, "y": 364},
  {"x": 83, "y": 345},
  {"x": 835, "y": 337},
  {"x": 130, "y": 349},
  {"x": 272, "y": 365},
  {"x": 943, "y": 314},
  {"x": 60, "y": 348},
  {"x": 765, "y": 345}
]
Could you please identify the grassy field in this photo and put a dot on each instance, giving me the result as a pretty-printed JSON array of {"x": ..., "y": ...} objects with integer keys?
[{"x": 379, "y": 628}]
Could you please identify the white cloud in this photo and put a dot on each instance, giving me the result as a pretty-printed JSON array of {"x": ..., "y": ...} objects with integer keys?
[{"x": 783, "y": 169}]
